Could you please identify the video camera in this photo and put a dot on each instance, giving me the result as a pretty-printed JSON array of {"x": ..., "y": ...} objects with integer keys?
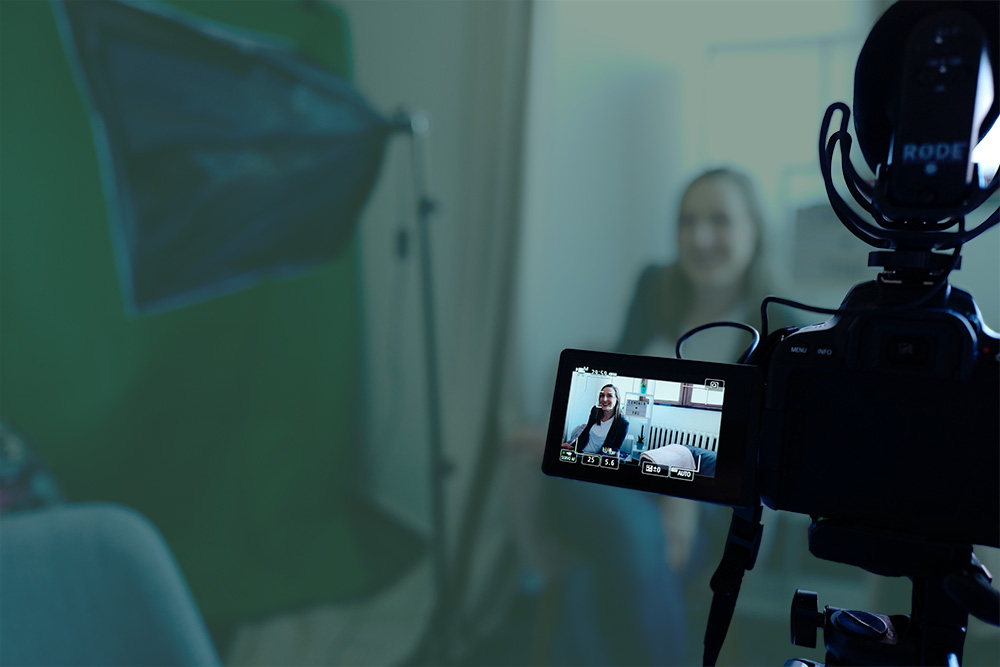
[{"x": 881, "y": 423}]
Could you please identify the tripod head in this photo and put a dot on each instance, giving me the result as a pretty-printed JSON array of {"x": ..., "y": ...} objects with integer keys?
[{"x": 949, "y": 583}]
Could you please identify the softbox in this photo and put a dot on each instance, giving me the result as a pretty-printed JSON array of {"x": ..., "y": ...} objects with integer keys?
[{"x": 226, "y": 158}]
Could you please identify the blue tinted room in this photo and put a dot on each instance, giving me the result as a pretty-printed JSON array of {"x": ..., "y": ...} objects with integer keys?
[{"x": 284, "y": 286}]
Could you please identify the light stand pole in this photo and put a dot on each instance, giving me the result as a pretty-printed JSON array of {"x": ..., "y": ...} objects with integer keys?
[{"x": 435, "y": 647}]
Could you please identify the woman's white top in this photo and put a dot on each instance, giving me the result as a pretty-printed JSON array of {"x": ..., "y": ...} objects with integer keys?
[{"x": 598, "y": 434}]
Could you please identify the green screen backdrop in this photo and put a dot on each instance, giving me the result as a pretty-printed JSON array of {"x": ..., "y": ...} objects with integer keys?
[{"x": 230, "y": 424}]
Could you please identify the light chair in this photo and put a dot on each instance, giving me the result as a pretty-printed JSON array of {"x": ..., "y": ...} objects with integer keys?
[{"x": 94, "y": 584}]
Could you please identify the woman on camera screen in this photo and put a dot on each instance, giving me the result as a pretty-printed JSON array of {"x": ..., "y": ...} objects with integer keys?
[{"x": 606, "y": 429}]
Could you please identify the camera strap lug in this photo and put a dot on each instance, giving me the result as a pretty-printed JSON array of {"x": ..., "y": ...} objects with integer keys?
[{"x": 740, "y": 554}]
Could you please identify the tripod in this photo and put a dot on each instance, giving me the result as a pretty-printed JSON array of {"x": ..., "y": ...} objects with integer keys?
[{"x": 949, "y": 583}]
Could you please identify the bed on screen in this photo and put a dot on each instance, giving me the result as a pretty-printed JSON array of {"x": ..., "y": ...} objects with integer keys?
[{"x": 695, "y": 450}]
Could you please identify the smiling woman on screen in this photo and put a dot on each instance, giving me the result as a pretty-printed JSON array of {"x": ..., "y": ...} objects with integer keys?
[{"x": 606, "y": 428}]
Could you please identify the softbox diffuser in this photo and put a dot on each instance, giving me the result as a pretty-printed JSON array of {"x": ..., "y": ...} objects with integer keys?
[{"x": 226, "y": 158}]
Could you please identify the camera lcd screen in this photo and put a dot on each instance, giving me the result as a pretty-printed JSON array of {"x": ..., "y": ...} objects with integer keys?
[{"x": 677, "y": 427}]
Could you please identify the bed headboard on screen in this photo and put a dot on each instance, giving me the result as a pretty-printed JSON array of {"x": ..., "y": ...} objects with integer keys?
[{"x": 661, "y": 436}]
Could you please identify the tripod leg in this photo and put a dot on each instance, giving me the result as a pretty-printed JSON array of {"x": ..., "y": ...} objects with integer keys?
[{"x": 940, "y": 622}]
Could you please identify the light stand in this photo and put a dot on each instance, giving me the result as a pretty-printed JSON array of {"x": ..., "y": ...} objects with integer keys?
[{"x": 435, "y": 645}]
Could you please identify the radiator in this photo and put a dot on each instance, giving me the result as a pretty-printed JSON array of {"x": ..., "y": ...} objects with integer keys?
[{"x": 661, "y": 436}]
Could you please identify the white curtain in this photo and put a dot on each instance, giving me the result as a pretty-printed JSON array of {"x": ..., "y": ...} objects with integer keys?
[{"x": 464, "y": 64}]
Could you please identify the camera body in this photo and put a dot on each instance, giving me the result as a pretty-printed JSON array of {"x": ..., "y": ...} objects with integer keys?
[
  {"x": 886, "y": 419},
  {"x": 882, "y": 418}
]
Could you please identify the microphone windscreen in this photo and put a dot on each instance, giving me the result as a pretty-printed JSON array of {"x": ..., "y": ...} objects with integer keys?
[{"x": 879, "y": 72}]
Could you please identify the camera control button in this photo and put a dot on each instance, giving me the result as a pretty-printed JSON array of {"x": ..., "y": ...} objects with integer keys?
[
  {"x": 681, "y": 473},
  {"x": 824, "y": 352}
]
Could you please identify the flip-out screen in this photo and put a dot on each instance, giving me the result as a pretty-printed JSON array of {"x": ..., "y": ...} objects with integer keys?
[{"x": 677, "y": 427}]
